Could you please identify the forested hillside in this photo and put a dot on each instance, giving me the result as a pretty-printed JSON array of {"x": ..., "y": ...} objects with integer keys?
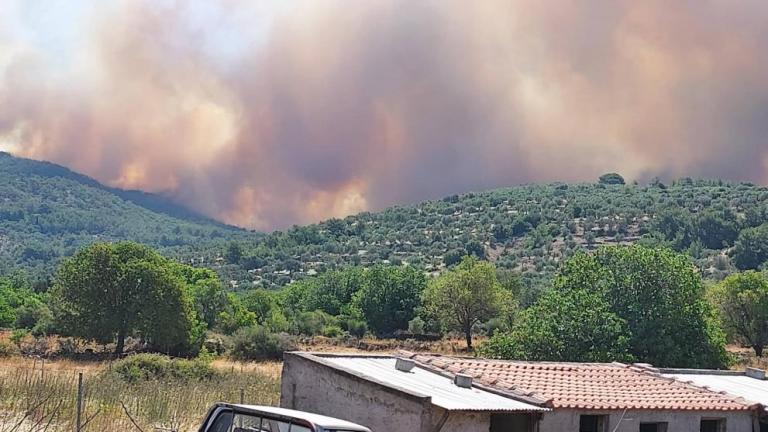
[
  {"x": 530, "y": 229},
  {"x": 48, "y": 212}
]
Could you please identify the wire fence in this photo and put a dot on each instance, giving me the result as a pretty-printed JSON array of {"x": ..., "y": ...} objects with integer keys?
[{"x": 34, "y": 398}]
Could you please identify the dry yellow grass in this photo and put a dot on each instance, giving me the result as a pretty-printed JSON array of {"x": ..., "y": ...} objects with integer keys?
[{"x": 41, "y": 397}]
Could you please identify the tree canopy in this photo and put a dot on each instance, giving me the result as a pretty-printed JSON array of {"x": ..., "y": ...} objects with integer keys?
[
  {"x": 107, "y": 292},
  {"x": 751, "y": 249},
  {"x": 466, "y": 296},
  {"x": 654, "y": 294},
  {"x": 574, "y": 325},
  {"x": 611, "y": 179},
  {"x": 743, "y": 302},
  {"x": 389, "y": 297},
  {"x": 660, "y": 296}
]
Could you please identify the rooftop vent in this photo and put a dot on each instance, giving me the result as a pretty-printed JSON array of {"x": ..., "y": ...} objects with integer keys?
[
  {"x": 755, "y": 373},
  {"x": 404, "y": 365},
  {"x": 463, "y": 381}
]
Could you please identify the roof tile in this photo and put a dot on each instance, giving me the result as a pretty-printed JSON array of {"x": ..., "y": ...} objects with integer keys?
[{"x": 610, "y": 386}]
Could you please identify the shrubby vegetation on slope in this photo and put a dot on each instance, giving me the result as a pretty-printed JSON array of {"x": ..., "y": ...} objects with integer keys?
[
  {"x": 529, "y": 229},
  {"x": 47, "y": 212}
]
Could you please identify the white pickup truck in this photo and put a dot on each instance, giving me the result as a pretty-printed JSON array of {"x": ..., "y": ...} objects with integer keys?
[{"x": 224, "y": 417}]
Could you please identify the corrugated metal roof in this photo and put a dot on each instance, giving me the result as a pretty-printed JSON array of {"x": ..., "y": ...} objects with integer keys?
[
  {"x": 423, "y": 382},
  {"x": 751, "y": 389}
]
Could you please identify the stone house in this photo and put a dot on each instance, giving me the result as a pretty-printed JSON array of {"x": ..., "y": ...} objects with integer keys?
[{"x": 434, "y": 393}]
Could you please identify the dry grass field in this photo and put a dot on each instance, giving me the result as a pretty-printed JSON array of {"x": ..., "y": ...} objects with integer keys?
[
  {"x": 36, "y": 396},
  {"x": 39, "y": 395}
]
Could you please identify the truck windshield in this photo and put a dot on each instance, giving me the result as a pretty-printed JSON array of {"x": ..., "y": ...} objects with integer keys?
[{"x": 255, "y": 423}]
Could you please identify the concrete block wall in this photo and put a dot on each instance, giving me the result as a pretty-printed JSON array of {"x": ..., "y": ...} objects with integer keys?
[
  {"x": 568, "y": 420},
  {"x": 309, "y": 386}
]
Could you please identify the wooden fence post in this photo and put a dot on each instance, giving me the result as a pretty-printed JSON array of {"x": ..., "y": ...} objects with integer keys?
[{"x": 79, "y": 400}]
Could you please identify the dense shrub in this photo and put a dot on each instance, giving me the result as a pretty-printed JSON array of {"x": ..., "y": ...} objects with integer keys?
[
  {"x": 416, "y": 326},
  {"x": 8, "y": 349},
  {"x": 332, "y": 331},
  {"x": 147, "y": 367},
  {"x": 355, "y": 327},
  {"x": 258, "y": 343},
  {"x": 310, "y": 323}
]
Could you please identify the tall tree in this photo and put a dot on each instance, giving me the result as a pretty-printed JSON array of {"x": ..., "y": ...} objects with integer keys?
[
  {"x": 107, "y": 292},
  {"x": 743, "y": 302},
  {"x": 660, "y": 296},
  {"x": 622, "y": 302},
  {"x": 467, "y": 295}
]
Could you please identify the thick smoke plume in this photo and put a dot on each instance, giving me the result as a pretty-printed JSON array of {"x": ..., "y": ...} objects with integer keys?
[{"x": 329, "y": 107}]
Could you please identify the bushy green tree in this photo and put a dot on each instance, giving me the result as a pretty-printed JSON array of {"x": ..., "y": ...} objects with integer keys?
[
  {"x": 15, "y": 295},
  {"x": 571, "y": 325},
  {"x": 716, "y": 229},
  {"x": 107, "y": 292},
  {"x": 611, "y": 179},
  {"x": 751, "y": 248},
  {"x": 389, "y": 296},
  {"x": 660, "y": 296},
  {"x": 466, "y": 296},
  {"x": 234, "y": 315},
  {"x": 675, "y": 227},
  {"x": 646, "y": 304},
  {"x": 266, "y": 310},
  {"x": 743, "y": 302},
  {"x": 208, "y": 295},
  {"x": 329, "y": 292}
]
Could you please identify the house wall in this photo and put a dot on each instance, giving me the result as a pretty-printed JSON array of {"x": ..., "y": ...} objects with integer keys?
[
  {"x": 310, "y": 386},
  {"x": 461, "y": 421},
  {"x": 564, "y": 420}
]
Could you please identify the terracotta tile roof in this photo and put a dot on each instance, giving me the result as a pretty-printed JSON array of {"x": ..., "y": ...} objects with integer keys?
[{"x": 593, "y": 386}]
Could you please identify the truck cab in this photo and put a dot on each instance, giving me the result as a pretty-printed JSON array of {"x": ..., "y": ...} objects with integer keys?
[{"x": 224, "y": 417}]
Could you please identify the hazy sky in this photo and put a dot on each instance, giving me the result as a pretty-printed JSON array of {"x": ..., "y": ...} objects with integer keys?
[{"x": 269, "y": 113}]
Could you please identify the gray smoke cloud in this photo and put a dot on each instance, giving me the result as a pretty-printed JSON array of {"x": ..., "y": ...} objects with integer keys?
[{"x": 331, "y": 107}]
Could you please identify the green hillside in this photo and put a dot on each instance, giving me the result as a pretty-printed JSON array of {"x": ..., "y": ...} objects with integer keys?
[
  {"x": 48, "y": 211},
  {"x": 529, "y": 229}
]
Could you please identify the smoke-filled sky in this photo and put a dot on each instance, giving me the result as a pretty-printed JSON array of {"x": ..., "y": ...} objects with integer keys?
[{"x": 270, "y": 113}]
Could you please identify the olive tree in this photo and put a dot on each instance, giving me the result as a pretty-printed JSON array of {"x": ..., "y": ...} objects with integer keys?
[
  {"x": 743, "y": 302},
  {"x": 467, "y": 295},
  {"x": 107, "y": 292},
  {"x": 388, "y": 297}
]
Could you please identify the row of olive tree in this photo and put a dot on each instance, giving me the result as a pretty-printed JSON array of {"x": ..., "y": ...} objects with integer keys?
[{"x": 620, "y": 303}]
